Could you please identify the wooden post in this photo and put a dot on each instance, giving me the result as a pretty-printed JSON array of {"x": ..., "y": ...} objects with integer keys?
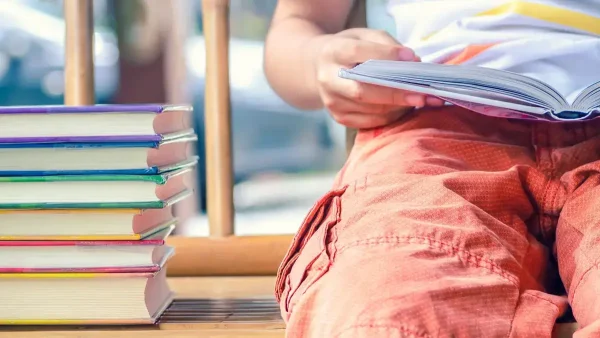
[
  {"x": 79, "y": 52},
  {"x": 176, "y": 29},
  {"x": 217, "y": 116}
]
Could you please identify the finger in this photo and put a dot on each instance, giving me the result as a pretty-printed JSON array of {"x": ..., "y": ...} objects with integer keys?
[
  {"x": 372, "y": 35},
  {"x": 339, "y": 103},
  {"x": 364, "y": 121},
  {"x": 373, "y": 94},
  {"x": 384, "y": 38},
  {"x": 434, "y": 101},
  {"x": 349, "y": 52}
]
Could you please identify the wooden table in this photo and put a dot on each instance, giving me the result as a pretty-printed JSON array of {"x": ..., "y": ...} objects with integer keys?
[{"x": 201, "y": 287}]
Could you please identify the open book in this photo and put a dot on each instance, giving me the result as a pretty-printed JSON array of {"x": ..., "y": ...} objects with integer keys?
[{"x": 484, "y": 90}]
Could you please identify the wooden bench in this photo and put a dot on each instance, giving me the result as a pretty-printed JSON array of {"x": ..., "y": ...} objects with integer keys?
[{"x": 210, "y": 304}]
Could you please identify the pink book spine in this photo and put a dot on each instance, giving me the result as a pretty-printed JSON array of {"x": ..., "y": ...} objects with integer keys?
[
  {"x": 82, "y": 243},
  {"x": 99, "y": 270}
]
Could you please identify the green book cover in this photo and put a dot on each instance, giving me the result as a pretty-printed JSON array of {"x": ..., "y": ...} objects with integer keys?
[
  {"x": 133, "y": 205},
  {"x": 158, "y": 179}
]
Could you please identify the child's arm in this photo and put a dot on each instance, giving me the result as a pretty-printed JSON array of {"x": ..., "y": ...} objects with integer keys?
[
  {"x": 299, "y": 30},
  {"x": 305, "y": 48}
]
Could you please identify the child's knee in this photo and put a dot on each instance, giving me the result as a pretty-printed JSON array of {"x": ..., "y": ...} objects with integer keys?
[{"x": 408, "y": 288}]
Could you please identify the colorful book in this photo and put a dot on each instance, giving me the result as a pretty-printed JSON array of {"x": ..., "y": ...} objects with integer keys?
[
  {"x": 95, "y": 191},
  {"x": 110, "y": 156},
  {"x": 83, "y": 298},
  {"x": 85, "y": 256},
  {"x": 83, "y": 224},
  {"x": 91, "y": 123}
]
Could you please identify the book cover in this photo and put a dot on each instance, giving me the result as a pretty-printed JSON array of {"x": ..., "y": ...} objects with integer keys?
[
  {"x": 156, "y": 293},
  {"x": 122, "y": 141},
  {"x": 98, "y": 108},
  {"x": 84, "y": 224},
  {"x": 159, "y": 179},
  {"x": 95, "y": 322},
  {"x": 95, "y": 272},
  {"x": 176, "y": 120},
  {"x": 131, "y": 237},
  {"x": 132, "y": 211},
  {"x": 109, "y": 140},
  {"x": 152, "y": 170},
  {"x": 163, "y": 254},
  {"x": 77, "y": 275},
  {"x": 55, "y": 158},
  {"x": 155, "y": 239},
  {"x": 107, "y": 205}
]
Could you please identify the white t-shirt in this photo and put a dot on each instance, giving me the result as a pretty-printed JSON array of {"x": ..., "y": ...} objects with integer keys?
[{"x": 556, "y": 41}]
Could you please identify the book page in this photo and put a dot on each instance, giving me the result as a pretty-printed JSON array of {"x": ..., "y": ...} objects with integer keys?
[
  {"x": 500, "y": 88},
  {"x": 589, "y": 98},
  {"x": 475, "y": 97},
  {"x": 496, "y": 111}
]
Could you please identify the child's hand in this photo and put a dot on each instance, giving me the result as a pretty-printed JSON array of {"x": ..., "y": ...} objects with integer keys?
[{"x": 360, "y": 105}]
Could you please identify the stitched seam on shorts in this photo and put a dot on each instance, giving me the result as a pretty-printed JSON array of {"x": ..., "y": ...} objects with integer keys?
[
  {"x": 583, "y": 276},
  {"x": 405, "y": 329},
  {"x": 580, "y": 281},
  {"x": 477, "y": 260}
]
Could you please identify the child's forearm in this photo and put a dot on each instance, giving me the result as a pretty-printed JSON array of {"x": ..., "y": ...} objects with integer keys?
[
  {"x": 298, "y": 32},
  {"x": 289, "y": 62}
]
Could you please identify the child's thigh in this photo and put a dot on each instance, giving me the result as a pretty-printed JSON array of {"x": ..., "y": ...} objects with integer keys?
[
  {"x": 424, "y": 231},
  {"x": 416, "y": 290},
  {"x": 434, "y": 141},
  {"x": 415, "y": 253}
]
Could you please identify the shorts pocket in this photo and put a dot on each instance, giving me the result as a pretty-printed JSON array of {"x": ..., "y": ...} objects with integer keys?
[{"x": 308, "y": 257}]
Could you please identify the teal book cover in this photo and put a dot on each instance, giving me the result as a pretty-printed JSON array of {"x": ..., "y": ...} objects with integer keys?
[{"x": 177, "y": 191}]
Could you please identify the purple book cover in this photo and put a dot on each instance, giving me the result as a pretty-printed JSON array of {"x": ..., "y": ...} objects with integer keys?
[
  {"x": 104, "y": 109},
  {"x": 99, "y": 108}
]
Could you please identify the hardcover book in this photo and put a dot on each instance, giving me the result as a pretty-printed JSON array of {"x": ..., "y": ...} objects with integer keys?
[
  {"x": 91, "y": 123},
  {"x": 95, "y": 191},
  {"x": 116, "y": 155}
]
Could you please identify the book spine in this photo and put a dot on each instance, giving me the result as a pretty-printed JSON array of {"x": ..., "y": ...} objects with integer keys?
[
  {"x": 80, "y": 243},
  {"x": 95, "y": 270}
]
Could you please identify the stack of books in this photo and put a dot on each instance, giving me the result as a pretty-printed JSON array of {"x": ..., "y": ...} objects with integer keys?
[{"x": 85, "y": 207}]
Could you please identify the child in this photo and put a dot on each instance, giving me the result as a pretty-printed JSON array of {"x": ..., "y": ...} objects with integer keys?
[{"x": 444, "y": 222}]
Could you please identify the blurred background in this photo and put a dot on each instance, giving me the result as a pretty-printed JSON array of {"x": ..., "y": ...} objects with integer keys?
[{"x": 152, "y": 51}]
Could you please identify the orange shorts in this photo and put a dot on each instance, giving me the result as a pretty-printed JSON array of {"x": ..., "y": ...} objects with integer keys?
[{"x": 452, "y": 224}]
